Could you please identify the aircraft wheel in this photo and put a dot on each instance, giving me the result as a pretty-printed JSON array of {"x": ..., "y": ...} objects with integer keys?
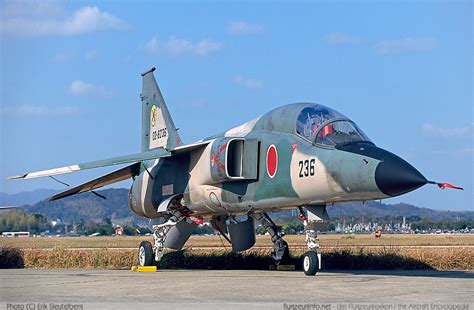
[
  {"x": 145, "y": 254},
  {"x": 310, "y": 263}
]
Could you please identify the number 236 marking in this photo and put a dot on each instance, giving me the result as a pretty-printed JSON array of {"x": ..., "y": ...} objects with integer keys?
[{"x": 306, "y": 167}]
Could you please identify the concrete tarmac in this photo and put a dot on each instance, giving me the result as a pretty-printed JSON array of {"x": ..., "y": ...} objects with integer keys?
[{"x": 37, "y": 289}]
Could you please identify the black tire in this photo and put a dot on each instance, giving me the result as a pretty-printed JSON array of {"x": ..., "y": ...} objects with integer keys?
[
  {"x": 145, "y": 254},
  {"x": 310, "y": 263}
]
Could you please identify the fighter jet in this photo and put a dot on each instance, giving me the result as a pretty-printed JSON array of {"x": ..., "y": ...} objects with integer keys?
[{"x": 301, "y": 156}]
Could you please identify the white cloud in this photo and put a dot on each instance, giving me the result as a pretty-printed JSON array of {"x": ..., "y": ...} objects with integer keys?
[
  {"x": 48, "y": 18},
  {"x": 239, "y": 28},
  {"x": 338, "y": 38},
  {"x": 37, "y": 110},
  {"x": 454, "y": 132},
  {"x": 178, "y": 47},
  {"x": 248, "y": 83},
  {"x": 80, "y": 88},
  {"x": 386, "y": 47}
]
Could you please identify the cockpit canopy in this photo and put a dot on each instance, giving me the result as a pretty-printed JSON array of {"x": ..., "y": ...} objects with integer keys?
[{"x": 324, "y": 126}]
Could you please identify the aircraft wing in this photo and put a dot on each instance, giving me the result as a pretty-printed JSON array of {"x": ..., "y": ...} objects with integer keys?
[
  {"x": 189, "y": 147},
  {"x": 133, "y": 158},
  {"x": 113, "y": 177}
]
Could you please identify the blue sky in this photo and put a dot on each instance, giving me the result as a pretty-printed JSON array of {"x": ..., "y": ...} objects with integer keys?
[{"x": 70, "y": 78}]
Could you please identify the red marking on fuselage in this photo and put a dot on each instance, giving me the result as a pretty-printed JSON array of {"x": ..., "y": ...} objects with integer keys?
[
  {"x": 293, "y": 147},
  {"x": 196, "y": 220},
  {"x": 215, "y": 158},
  {"x": 272, "y": 161}
]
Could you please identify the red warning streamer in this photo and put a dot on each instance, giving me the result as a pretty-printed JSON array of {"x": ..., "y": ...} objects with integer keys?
[{"x": 447, "y": 185}]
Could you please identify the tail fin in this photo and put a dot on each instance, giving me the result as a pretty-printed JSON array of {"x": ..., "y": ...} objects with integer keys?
[{"x": 158, "y": 129}]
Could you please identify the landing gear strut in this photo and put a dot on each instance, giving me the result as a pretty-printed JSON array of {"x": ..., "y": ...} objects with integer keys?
[
  {"x": 280, "y": 247},
  {"x": 176, "y": 216},
  {"x": 312, "y": 258},
  {"x": 160, "y": 232}
]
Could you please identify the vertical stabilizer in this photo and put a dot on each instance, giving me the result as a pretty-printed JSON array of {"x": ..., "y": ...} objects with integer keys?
[{"x": 158, "y": 129}]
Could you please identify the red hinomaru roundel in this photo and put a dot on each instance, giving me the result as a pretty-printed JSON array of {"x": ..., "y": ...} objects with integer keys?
[{"x": 272, "y": 161}]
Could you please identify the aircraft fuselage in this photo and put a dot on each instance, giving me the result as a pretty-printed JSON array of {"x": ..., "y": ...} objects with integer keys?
[{"x": 250, "y": 168}]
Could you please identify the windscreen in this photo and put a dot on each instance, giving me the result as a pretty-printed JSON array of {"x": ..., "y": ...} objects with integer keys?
[
  {"x": 311, "y": 118},
  {"x": 340, "y": 133}
]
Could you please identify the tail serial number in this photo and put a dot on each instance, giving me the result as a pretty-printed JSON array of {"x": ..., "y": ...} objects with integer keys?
[{"x": 158, "y": 134}]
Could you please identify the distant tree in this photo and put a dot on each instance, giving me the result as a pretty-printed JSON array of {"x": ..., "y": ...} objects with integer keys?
[
  {"x": 292, "y": 228},
  {"x": 129, "y": 230},
  {"x": 331, "y": 227},
  {"x": 442, "y": 225},
  {"x": 203, "y": 230},
  {"x": 260, "y": 230},
  {"x": 21, "y": 221},
  {"x": 413, "y": 218}
]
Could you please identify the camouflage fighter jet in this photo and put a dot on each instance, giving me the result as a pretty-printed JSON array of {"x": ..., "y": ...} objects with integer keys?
[{"x": 301, "y": 156}]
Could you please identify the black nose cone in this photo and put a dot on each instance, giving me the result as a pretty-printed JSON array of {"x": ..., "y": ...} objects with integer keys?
[{"x": 393, "y": 175}]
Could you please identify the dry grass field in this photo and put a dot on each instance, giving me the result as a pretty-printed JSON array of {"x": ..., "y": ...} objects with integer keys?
[
  {"x": 295, "y": 241},
  {"x": 442, "y": 252},
  {"x": 459, "y": 258}
]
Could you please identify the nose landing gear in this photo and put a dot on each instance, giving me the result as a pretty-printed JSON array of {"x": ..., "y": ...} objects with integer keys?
[
  {"x": 312, "y": 258},
  {"x": 310, "y": 263}
]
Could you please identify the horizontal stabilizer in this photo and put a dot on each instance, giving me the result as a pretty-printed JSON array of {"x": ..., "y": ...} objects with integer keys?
[
  {"x": 147, "y": 155},
  {"x": 116, "y": 176}
]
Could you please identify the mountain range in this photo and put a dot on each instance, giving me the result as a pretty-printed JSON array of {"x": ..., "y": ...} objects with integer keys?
[
  {"x": 89, "y": 207},
  {"x": 26, "y": 198}
]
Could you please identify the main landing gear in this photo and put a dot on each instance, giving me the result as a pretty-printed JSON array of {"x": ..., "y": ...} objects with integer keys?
[
  {"x": 177, "y": 225},
  {"x": 145, "y": 254},
  {"x": 171, "y": 232},
  {"x": 280, "y": 251},
  {"x": 148, "y": 254}
]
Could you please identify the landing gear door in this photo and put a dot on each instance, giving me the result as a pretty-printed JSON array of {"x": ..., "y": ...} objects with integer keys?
[{"x": 250, "y": 159}]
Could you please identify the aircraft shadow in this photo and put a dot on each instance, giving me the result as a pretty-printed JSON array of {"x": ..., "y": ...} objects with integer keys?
[{"x": 333, "y": 262}]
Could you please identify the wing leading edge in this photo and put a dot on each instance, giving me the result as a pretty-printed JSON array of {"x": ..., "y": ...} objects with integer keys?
[
  {"x": 113, "y": 177},
  {"x": 133, "y": 158}
]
